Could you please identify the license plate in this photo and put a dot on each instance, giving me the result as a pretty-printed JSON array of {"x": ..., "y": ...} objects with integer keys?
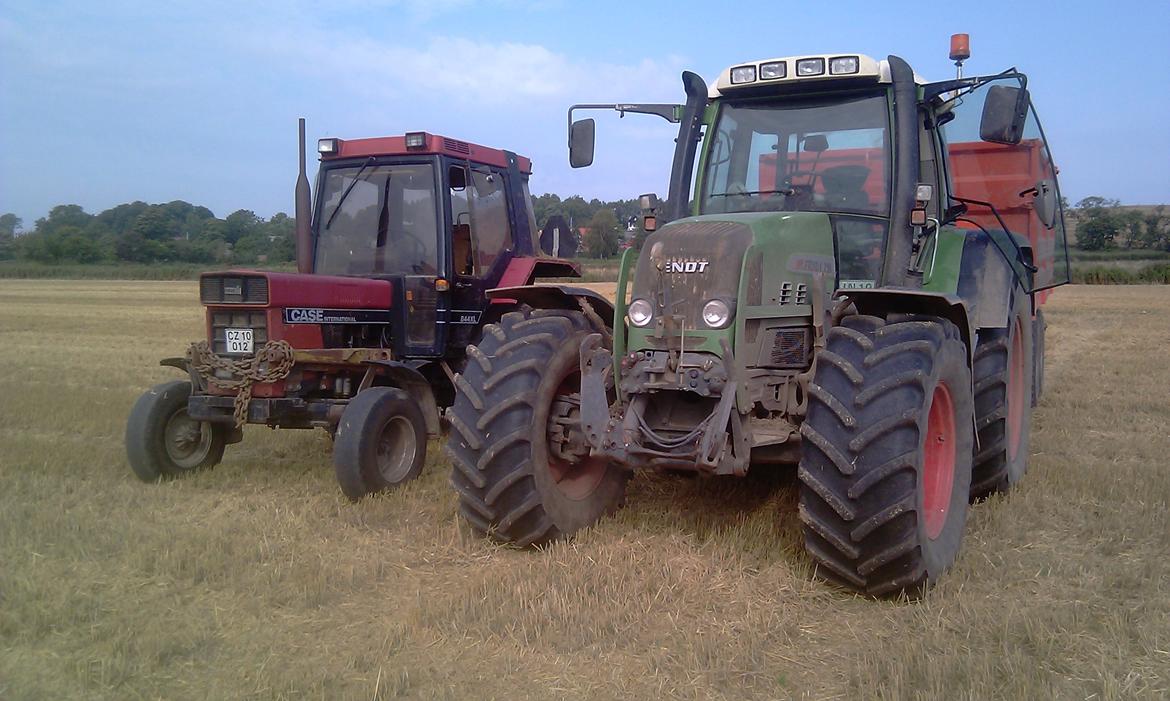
[{"x": 239, "y": 341}]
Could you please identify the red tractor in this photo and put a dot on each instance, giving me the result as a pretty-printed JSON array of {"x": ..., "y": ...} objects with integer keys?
[{"x": 407, "y": 235}]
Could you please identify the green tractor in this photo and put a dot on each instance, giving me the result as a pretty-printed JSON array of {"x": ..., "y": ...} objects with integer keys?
[{"x": 853, "y": 286}]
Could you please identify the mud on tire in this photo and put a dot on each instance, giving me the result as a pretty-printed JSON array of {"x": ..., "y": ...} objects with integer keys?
[
  {"x": 507, "y": 484},
  {"x": 1004, "y": 374},
  {"x": 886, "y": 454}
]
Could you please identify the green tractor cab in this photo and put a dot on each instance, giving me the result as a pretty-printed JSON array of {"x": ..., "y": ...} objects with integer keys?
[{"x": 852, "y": 285}]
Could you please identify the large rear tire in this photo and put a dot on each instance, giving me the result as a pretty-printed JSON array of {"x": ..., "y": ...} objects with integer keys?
[
  {"x": 886, "y": 454},
  {"x": 508, "y": 483},
  {"x": 1004, "y": 375},
  {"x": 380, "y": 444},
  {"x": 162, "y": 441}
]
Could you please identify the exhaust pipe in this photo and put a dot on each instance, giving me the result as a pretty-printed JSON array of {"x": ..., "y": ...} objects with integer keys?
[{"x": 303, "y": 211}]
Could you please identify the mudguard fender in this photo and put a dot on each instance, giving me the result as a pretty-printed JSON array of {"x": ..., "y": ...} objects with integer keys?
[
  {"x": 883, "y": 301},
  {"x": 565, "y": 297},
  {"x": 407, "y": 377}
]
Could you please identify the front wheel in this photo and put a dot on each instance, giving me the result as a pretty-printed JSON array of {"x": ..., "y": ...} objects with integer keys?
[
  {"x": 380, "y": 443},
  {"x": 162, "y": 441},
  {"x": 521, "y": 466},
  {"x": 885, "y": 463}
]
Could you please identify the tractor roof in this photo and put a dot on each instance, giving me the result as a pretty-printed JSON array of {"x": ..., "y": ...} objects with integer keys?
[
  {"x": 796, "y": 72},
  {"x": 422, "y": 143}
]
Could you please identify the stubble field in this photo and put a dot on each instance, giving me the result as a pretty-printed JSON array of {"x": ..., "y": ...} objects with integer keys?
[{"x": 259, "y": 580}]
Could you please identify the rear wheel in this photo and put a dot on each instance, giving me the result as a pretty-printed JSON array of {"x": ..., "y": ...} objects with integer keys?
[
  {"x": 1004, "y": 368},
  {"x": 163, "y": 441},
  {"x": 886, "y": 453},
  {"x": 381, "y": 442},
  {"x": 520, "y": 465}
]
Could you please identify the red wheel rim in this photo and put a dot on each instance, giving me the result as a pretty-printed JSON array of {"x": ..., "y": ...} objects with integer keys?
[
  {"x": 576, "y": 480},
  {"x": 1015, "y": 391},
  {"x": 938, "y": 463}
]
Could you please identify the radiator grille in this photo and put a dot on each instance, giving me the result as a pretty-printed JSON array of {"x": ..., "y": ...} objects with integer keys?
[
  {"x": 223, "y": 320},
  {"x": 233, "y": 289},
  {"x": 790, "y": 348}
]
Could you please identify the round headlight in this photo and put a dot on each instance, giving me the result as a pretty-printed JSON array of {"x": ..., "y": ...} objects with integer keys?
[
  {"x": 640, "y": 312},
  {"x": 716, "y": 314}
]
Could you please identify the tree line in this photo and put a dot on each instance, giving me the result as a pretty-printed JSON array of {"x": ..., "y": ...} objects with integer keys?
[
  {"x": 1104, "y": 224},
  {"x": 180, "y": 232},
  {"x": 137, "y": 232}
]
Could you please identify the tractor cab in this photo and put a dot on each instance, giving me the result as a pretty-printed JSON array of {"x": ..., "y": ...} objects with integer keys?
[{"x": 441, "y": 219}]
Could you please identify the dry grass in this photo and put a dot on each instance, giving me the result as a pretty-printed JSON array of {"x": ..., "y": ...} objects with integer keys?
[{"x": 258, "y": 580}]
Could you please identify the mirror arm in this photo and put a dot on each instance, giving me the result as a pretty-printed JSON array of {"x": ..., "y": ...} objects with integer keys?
[{"x": 933, "y": 90}]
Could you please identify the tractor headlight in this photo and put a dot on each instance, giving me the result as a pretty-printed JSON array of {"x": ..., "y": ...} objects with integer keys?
[
  {"x": 743, "y": 74},
  {"x": 716, "y": 314},
  {"x": 810, "y": 66},
  {"x": 640, "y": 312},
  {"x": 843, "y": 65},
  {"x": 773, "y": 70}
]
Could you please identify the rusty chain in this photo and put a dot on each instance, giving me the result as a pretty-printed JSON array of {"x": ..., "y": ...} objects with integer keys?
[{"x": 271, "y": 363}]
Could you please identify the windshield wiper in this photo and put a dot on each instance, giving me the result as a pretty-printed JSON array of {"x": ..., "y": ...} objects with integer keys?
[
  {"x": 345, "y": 194},
  {"x": 788, "y": 191}
]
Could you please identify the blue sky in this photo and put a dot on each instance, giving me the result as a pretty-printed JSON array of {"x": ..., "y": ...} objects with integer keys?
[{"x": 108, "y": 102}]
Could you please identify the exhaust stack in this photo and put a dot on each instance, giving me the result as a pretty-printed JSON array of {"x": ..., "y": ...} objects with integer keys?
[{"x": 303, "y": 211}]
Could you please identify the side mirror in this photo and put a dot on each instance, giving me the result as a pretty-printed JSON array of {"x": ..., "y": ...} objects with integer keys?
[
  {"x": 457, "y": 178},
  {"x": 1004, "y": 112},
  {"x": 1045, "y": 203},
  {"x": 581, "y": 136},
  {"x": 649, "y": 205},
  {"x": 557, "y": 239},
  {"x": 816, "y": 143}
]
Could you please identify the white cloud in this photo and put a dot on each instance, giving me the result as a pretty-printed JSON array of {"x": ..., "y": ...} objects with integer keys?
[{"x": 465, "y": 70}]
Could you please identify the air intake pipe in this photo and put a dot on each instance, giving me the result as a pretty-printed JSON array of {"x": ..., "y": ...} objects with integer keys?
[{"x": 303, "y": 211}]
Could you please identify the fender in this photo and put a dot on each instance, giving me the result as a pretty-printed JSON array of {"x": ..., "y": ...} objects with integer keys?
[
  {"x": 406, "y": 376},
  {"x": 988, "y": 282},
  {"x": 882, "y": 301},
  {"x": 556, "y": 297}
]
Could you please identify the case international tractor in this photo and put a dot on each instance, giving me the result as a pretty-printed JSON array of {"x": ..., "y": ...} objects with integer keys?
[
  {"x": 367, "y": 338},
  {"x": 853, "y": 286}
]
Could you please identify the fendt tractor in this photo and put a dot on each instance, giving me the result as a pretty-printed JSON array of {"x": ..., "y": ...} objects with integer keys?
[
  {"x": 367, "y": 338},
  {"x": 853, "y": 286}
]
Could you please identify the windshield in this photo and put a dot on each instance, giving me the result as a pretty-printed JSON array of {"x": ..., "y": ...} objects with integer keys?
[
  {"x": 378, "y": 220},
  {"x": 800, "y": 155}
]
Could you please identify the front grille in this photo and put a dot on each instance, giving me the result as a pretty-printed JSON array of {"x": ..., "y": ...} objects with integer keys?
[
  {"x": 233, "y": 289},
  {"x": 221, "y": 321},
  {"x": 790, "y": 348}
]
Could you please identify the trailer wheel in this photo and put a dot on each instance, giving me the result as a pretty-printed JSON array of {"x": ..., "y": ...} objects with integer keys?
[
  {"x": 521, "y": 383},
  {"x": 381, "y": 442},
  {"x": 163, "y": 442},
  {"x": 886, "y": 454},
  {"x": 1004, "y": 376}
]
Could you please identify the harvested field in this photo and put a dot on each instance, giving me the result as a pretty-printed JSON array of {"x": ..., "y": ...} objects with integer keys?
[{"x": 259, "y": 580}]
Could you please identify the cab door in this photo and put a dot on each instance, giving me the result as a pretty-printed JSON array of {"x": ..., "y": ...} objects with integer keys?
[
  {"x": 481, "y": 239},
  {"x": 1007, "y": 181},
  {"x": 414, "y": 239}
]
